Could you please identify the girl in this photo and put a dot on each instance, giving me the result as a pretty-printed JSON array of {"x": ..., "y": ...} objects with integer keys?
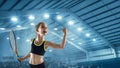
[{"x": 39, "y": 46}]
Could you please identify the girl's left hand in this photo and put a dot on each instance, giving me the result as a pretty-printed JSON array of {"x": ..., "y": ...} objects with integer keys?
[{"x": 64, "y": 30}]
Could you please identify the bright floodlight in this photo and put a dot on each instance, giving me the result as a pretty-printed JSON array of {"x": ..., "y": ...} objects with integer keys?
[
  {"x": 2, "y": 28},
  {"x": 7, "y": 38},
  {"x": 55, "y": 28},
  {"x": 14, "y": 19},
  {"x": 32, "y": 24},
  {"x": 94, "y": 39},
  {"x": 31, "y": 17},
  {"x": 79, "y": 29},
  {"x": 46, "y": 15},
  {"x": 18, "y": 37},
  {"x": 70, "y": 22},
  {"x": 27, "y": 40},
  {"x": 50, "y": 50},
  {"x": 72, "y": 38},
  {"x": 87, "y": 34},
  {"x": 59, "y": 17},
  {"x": 79, "y": 43},
  {"x": 18, "y": 26}
]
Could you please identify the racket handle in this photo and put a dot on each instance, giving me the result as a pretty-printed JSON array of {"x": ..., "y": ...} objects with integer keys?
[
  {"x": 19, "y": 61},
  {"x": 18, "y": 57}
]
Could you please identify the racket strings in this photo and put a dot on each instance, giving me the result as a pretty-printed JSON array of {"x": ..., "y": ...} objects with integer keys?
[{"x": 12, "y": 39}]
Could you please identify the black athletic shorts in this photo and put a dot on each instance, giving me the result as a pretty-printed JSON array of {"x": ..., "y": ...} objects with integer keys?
[{"x": 37, "y": 66}]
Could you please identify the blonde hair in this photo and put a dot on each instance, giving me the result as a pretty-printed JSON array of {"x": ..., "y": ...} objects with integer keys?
[{"x": 38, "y": 25}]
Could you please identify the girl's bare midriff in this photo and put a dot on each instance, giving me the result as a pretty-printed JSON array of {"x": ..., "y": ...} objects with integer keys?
[{"x": 35, "y": 59}]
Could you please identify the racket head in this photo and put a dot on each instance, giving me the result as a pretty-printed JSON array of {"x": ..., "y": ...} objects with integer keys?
[{"x": 12, "y": 41}]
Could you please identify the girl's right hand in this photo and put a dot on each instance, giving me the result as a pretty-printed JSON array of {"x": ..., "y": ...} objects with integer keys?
[{"x": 20, "y": 59}]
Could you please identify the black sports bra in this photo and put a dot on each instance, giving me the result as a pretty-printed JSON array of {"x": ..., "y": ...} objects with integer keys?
[{"x": 38, "y": 49}]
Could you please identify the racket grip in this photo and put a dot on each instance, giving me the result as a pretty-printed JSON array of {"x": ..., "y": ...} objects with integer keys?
[
  {"x": 18, "y": 57},
  {"x": 19, "y": 61}
]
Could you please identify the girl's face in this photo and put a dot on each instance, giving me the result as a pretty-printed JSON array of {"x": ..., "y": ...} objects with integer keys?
[{"x": 42, "y": 29}]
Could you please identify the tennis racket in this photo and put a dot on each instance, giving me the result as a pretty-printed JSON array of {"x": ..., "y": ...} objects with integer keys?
[{"x": 13, "y": 44}]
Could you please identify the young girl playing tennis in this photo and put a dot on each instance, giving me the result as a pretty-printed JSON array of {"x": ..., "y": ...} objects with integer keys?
[{"x": 39, "y": 46}]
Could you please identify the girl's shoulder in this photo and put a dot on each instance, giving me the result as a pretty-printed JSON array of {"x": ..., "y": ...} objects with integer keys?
[{"x": 32, "y": 40}]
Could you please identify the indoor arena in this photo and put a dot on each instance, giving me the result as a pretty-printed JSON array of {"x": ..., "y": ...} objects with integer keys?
[{"x": 59, "y": 33}]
